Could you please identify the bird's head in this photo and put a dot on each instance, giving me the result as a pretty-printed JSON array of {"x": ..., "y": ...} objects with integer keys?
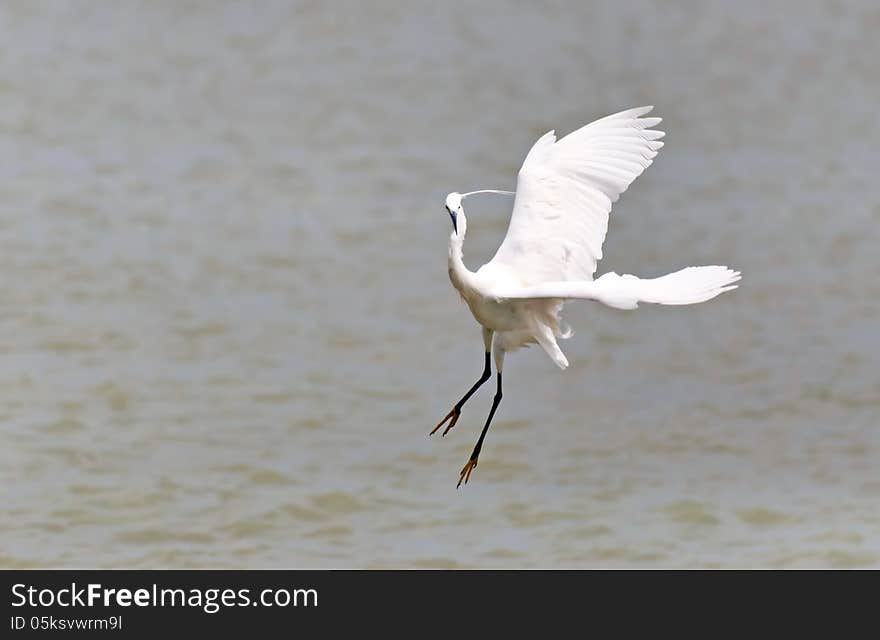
[{"x": 456, "y": 212}]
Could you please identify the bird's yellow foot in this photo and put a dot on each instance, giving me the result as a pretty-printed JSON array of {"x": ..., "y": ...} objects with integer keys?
[
  {"x": 453, "y": 415},
  {"x": 466, "y": 471}
]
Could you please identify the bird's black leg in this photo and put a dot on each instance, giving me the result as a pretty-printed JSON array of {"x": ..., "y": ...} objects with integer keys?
[
  {"x": 472, "y": 463},
  {"x": 456, "y": 410}
]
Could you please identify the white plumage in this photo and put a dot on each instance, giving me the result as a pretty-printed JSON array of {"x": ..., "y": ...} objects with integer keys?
[{"x": 564, "y": 193}]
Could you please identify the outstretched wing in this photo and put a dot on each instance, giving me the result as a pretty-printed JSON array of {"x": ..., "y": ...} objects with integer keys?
[
  {"x": 686, "y": 286},
  {"x": 564, "y": 194}
]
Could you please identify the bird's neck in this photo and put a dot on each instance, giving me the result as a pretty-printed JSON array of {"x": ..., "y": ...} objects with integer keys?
[{"x": 458, "y": 273}]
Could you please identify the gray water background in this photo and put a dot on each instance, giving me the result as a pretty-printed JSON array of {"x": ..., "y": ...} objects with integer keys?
[{"x": 226, "y": 325}]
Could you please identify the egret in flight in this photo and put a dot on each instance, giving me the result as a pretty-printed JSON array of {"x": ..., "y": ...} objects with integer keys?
[{"x": 564, "y": 192}]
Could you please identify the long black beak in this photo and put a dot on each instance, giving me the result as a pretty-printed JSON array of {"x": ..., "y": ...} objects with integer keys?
[{"x": 454, "y": 224}]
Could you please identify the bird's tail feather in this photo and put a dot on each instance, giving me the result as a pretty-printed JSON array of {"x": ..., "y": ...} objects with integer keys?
[{"x": 543, "y": 335}]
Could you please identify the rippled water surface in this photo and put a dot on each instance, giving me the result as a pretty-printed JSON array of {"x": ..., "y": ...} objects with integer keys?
[{"x": 226, "y": 325}]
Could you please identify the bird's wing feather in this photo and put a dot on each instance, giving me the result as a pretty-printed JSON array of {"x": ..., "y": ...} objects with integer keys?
[
  {"x": 686, "y": 286},
  {"x": 564, "y": 194}
]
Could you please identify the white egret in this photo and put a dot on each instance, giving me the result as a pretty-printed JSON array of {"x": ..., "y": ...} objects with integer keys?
[{"x": 563, "y": 198}]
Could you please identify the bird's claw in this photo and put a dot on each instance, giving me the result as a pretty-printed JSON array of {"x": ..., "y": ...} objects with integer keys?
[
  {"x": 466, "y": 472},
  {"x": 453, "y": 415}
]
